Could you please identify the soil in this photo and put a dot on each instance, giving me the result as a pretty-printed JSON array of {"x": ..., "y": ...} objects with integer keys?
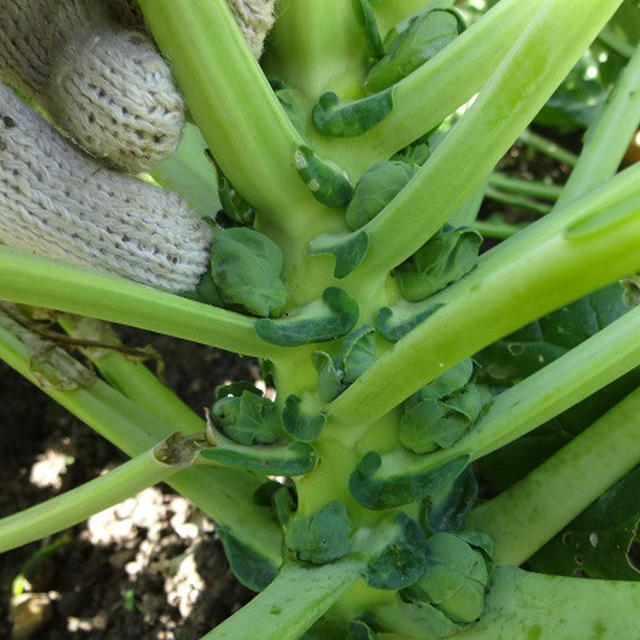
[{"x": 150, "y": 568}]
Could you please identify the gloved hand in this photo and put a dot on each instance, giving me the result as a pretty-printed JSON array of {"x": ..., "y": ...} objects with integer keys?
[{"x": 90, "y": 65}]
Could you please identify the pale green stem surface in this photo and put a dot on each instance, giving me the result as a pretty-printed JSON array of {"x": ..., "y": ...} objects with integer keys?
[
  {"x": 607, "y": 139},
  {"x": 548, "y": 148},
  {"x": 76, "y": 505},
  {"x": 291, "y": 603},
  {"x": 432, "y": 92},
  {"x": 226, "y": 495},
  {"x": 514, "y": 94},
  {"x": 28, "y": 279},
  {"x": 527, "y": 515},
  {"x": 531, "y": 606},
  {"x": 497, "y": 301},
  {"x": 593, "y": 364},
  {"x": 244, "y": 125},
  {"x": 135, "y": 381}
]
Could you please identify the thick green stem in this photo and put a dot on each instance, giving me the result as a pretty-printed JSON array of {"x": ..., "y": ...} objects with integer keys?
[
  {"x": 528, "y": 514},
  {"x": 77, "y": 505},
  {"x": 133, "y": 379},
  {"x": 515, "y": 93},
  {"x": 432, "y": 92},
  {"x": 608, "y": 137},
  {"x": 548, "y": 148},
  {"x": 291, "y": 603},
  {"x": 578, "y": 258},
  {"x": 226, "y": 495},
  {"x": 583, "y": 370},
  {"x": 28, "y": 279},
  {"x": 531, "y": 606},
  {"x": 244, "y": 125}
]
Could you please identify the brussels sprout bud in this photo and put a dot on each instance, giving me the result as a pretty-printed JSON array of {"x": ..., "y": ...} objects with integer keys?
[
  {"x": 425, "y": 36},
  {"x": 248, "y": 419},
  {"x": 246, "y": 267},
  {"x": 440, "y": 413},
  {"x": 455, "y": 578},
  {"x": 323, "y": 536},
  {"x": 444, "y": 259}
]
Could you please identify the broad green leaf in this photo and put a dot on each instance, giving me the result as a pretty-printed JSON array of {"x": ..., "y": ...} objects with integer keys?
[
  {"x": 598, "y": 541},
  {"x": 449, "y": 505},
  {"x": 348, "y": 249}
]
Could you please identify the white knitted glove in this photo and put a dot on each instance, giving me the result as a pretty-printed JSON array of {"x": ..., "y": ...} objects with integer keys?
[
  {"x": 104, "y": 84},
  {"x": 108, "y": 89},
  {"x": 59, "y": 202}
]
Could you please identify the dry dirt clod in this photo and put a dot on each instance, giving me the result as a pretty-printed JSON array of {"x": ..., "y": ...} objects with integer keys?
[{"x": 28, "y": 613}]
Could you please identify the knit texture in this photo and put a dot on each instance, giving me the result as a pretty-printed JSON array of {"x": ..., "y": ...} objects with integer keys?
[
  {"x": 57, "y": 202},
  {"x": 106, "y": 86},
  {"x": 255, "y": 19}
]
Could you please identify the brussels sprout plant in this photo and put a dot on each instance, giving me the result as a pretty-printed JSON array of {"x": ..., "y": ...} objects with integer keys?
[{"x": 348, "y": 167}]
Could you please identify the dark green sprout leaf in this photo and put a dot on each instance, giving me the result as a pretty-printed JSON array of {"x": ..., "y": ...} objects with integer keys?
[
  {"x": 330, "y": 383},
  {"x": 246, "y": 268},
  {"x": 403, "y": 478},
  {"x": 357, "y": 354},
  {"x": 394, "y": 323},
  {"x": 294, "y": 459},
  {"x": 348, "y": 249},
  {"x": 426, "y": 35},
  {"x": 321, "y": 537},
  {"x": 248, "y": 566},
  {"x": 248, "y": 419},
  {"x": 298, "y": 424},
  {"x": 332, "y": 317},
  {"x": 414, "y": 621},
  {"x": 450, "y": 505},
  {"x": 370, "y": 24},
  {"x": 598, "y": 541},
  {"x": 328, "y": 183},
  {"x": 292, "y": 104},
  {"x": 440, "y": 413},
  {"x": 376, "y": 189},
  {"x": 444, "y": 259},
  {"x": 359, "y": 630},
  {"x": 353, "y": 118},
  {"x": 402, "y": 561},
  {"x": 454, "y": 580}
]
